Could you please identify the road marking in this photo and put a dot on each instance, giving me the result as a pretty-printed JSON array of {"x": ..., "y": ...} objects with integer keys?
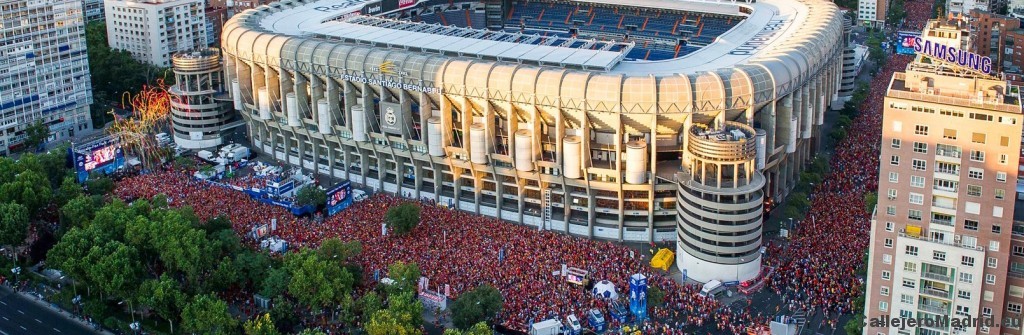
[
  {"x": 6, "y": 319},
  {"x": 3, "y": 332},
  {"x": 5, "y": 304},
  {"x": 37, "y": 320},
  {"x": 22, "y": 313},
  {"x": 23, "y": 328},
  {"x": 58, "y": 330}
]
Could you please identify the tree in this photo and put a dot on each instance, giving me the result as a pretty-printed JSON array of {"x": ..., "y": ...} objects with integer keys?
[
  {"x": 316, "y": 282},
  {"x": 30, "y": 189},
  {"x": 207, "y": 314},
  {"x": 99, "y": 184},
  {"x": 276, "y": 282},
  {"x": 369, "y": 304},
  {"x": 13, "y": 224},
  {"x": 252, "y": 268},
  {"x": 308, "y": 331},
  {"x": 403, "y": 218},
  {"x": 855, "y": 326},
  {"x": 870, "y": 200},
  {"x": 121, "y": 73},
  {"x": 69, "y": 189},
  {"x": 384, "y": 322},
  {"x": 163, "y": 296},
  {"x": 477, "y": 329},
  {"x": 311, "y": 196},
  {"x": 36, "y": 134},
  {"x": 407, "y": 309},
  {"x": 405, "y": 275},
  {"x": 261, "y": 325},
  {"x": 337, "y": 251},
  {"x": 478, "y": 305},
  {"x": 114, "y": 267},
  {"x": 655, "y": 296},
  {"x": 77, "y": 212}
]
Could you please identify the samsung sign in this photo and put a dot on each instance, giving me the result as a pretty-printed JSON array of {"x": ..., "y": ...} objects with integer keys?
[{"x": 953, "y": 55}]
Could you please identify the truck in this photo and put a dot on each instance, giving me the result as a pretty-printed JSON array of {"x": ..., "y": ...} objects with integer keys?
[
  {"x": 572, "y": 325},
  {"x": 205, "y": 155},
  {"x": 596, "y": 320},
  {"x": 711, "y": 288},
  {"x": 546, "y": 327},
  {"x": 234, "y": 152}
]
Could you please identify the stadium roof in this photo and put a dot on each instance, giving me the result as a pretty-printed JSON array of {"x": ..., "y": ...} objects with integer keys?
[{"x": 787, "y": 37}]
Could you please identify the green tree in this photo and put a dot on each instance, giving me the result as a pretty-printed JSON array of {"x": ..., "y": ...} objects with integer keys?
[
  {"x": 70, "y": 252},
  {"x": 855, "y": 326},
  {"x": 276, "y": 282},
  {"x": 337, "y": 251},
  {"x": 207, "y": 314},
  {"x": 405, "y": 275},
  {"x": 384, "y": 322},
  {"x": 655, "y": 296},
  {"x": 369, "y": 304},
  {"x": 223, "y": 277},
  {"x": 36, "y": 134},
  {"x": 163, "y": 296},
  {"x": 13, "y": 224},
  {"x": 403, "y": 218},
  {"x": 252, "y": 268},
  {"x": 114, "y": 267},
  {"x": 30, "y": 189},
  {"x": 316, "y": 282},
  {"x": 121, "y": 73},
  {"x": 407, "y": 309},
  {"x": 870, "y": 200},
  {"x": 99, "y": 184},
  {"x": 308, "y": 331},
  {"x": 261, "y": 325},
  {"x": 310, "y": 196},
  {"x": 283, "y": 314},
  {"x": 478, "y": 305},
  {"x": 77, "y": 212},
  {"x": 69, "y": 189}
]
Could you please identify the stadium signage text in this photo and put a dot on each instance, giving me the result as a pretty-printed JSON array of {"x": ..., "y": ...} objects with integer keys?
[
  {"x": 392, "y": 84},
  {"x": 760, "y": 40},
  {"x": 953, "y": 55},
  {"x": 338, "y": 6}
]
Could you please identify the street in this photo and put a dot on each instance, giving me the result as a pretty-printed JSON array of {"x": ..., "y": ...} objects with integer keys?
[{"x": 21, "y": 315}]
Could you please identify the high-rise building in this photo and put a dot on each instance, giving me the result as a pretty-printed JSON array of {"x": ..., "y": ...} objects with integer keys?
[
  {"x": 940, "y": 246},
  {"x": 93, "y": 10},
  {"x": 197, "y": 115},
  {"x": 1000, "y": 38},
  {"x": 44, "y": 69},
  {"x": 154, "y": 30},
  {"x": 871, "y": 13}
]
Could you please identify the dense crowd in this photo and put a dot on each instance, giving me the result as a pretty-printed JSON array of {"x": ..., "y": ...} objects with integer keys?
[{"x": 816, "y": 269}]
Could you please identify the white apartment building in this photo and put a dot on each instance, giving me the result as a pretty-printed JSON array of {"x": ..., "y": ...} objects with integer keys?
[
  {"x": 154, "y": 30},
  {"x": 93, "y": 10},
  {"x": 44, "y": 69},
  {"x": 871, "y": 13}
]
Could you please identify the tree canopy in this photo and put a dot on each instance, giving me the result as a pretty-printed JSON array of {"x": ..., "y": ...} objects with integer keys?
[
  {"x": 403, "y": 218},
  {"x": 13, "y": 223},
  {"x": 478, "y": 305},
  {"x": 310, "y": 195},
  {"x": 207, "y": 314}
]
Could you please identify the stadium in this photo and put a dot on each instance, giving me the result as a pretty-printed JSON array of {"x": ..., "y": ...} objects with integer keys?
[{"x": 642, "y": 120}]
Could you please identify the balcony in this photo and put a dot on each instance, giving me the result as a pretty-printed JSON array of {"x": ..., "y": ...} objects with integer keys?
[
  {"x": 936, "y": 276},
  {"x": 943, "y": 205},
  {"x": 942, "y": 222},
  {"x": 922, "y": 237},
  {"x": 936, "y": 293},
  {"x": 937, "y": 309}
]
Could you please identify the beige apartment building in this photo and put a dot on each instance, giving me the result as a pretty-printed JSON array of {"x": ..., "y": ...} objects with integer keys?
[{"x": 941, "y": 240}]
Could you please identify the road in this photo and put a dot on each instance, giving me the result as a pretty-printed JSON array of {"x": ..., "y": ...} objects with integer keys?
[{"x": 20, "y": 315}]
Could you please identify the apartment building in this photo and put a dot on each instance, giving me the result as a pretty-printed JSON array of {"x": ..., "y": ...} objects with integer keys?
[
  {"x": 871, "y": 13},
  {"x": 44, "y": 69},
  {"x": 154, "y": 30},
  {"x": 1000, "y": 38},
  {"x": 93, "y": 10},
  {"x": 940, "y": 235}
]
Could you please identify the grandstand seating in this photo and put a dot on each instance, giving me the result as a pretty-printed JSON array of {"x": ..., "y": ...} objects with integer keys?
[{"x": 655, "y": 32}]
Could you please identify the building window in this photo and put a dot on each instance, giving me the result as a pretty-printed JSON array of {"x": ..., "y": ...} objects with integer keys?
[
  {"x": 963, "y": 294},
  {"x": 883, "y": 306},
  {"x": 916, "y": 198},
  {"x": 911, "y": 250},
  {"x": 888, "y": 243},
  {"x": 887, "y": 259},
  {"x": 974, "y": 190},
  {"x": 914, "y": 214},
  {"x": 990, "y": 279},
  {"x": 999, "y": 193},
  {"x": 949, "y": 134},
  {"x": 971, "y": 225},
  {"x": 906, "y": 299},
  {"x": 939, "y": 256},
  {"x": 993, "y": 246},
  {"x": 896, "y": 143},
  {"x": 886, "y": 275},
  {"x": 992, "y": 262},
  {"x": 892, "y": 194},
  {"x": 894, "y": 160},
  {"x": 967, "y": 260},
  {"x": 963, "y": 310},
  {"x": 889, "y": 226},
  {"x": 978, "y": 138},
  {"x": 920, "y": 147},
  {"x": 919, "y": 165},
  {"x": 976, "y": 173},
  {"x": 1018, "y": 250},
  {"x": 890, "y": 210},
  {"x": 909, "y": 283},
  {"x": 916, "y": 181},
  {"x": 966, "y": 277},
  {"x": 996, "y": 229},
  {"x": 1013, "y": 307},
  {"x": 884, "y": 291},
  {"x": 921, "y": 130},
  {"x": 909, "y": 266},
  {"x": 1001, "y": 176},
  {"x": 977, "y": 155},
  {"x": 1003, "y": 159},
  {"x": 894, "y": 177}
]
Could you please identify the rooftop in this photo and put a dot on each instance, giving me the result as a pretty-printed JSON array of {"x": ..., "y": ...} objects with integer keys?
[{"x": 901, "y": 87}]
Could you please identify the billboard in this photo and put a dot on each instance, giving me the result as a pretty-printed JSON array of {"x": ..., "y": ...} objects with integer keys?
[
  {"x": 387, "y": 6},
  {"x": 905, "y": 42},
  {"x": 339, "y": 198},
  {"x": 104, "y": 155},
  {"x": 392, "y": 118}
]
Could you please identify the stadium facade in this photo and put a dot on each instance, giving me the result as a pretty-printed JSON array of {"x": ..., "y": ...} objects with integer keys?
[{"x": 626, "y": 120}]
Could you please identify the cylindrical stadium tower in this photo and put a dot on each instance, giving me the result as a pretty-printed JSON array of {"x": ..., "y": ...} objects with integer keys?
[{"x": 198, "y": 118}]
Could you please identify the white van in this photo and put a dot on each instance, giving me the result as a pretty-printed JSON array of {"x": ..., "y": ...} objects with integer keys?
[
  {"x": 573, "y": 323},
  {"x": 711, "y": 288}
]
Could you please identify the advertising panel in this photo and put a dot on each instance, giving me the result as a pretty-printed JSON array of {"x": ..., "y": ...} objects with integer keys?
[
  {"x": 392, "y": 118},
  {"x": 387, "y": 6},
  {"x": 339, "y": 198},
  {"x": 905, "y": 42}
]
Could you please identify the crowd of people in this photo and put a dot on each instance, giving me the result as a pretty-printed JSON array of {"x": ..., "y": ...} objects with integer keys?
[{"x": 816, "y": 269}]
